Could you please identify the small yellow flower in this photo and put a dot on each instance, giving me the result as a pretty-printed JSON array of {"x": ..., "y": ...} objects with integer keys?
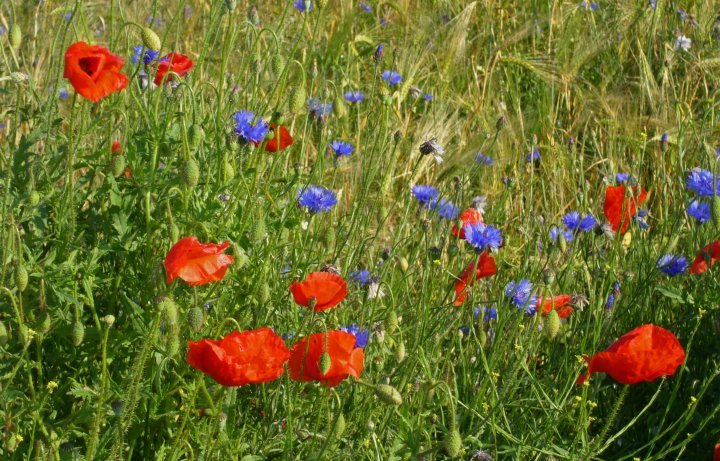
[
  {"x": 592, "y": 404},
  {"x": 19, "y": 438},
  {"x": 486, "y": 407},
  {"x": 51, "y": 386},
  {"x": 693, "y": 399},
  {"x": 578, "y": 399},
  {"x": 586, "y": 383},
  {"x": 518, "y": 347}
]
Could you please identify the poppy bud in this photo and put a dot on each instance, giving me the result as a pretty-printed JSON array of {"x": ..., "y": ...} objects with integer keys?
[
  {"x": 117, "y": 165},
  {"x": 277, "y": 65},
  {"x": 21, "y": 277},
  {"x": 253, "y": 16},
  {"x": 15, "y": 37},
  {"x": 195, "y": 136},
  {"x": 312, "y": 302},
  {"x": 324, "y": 364},
  {"x": 400, "y": 351},
  {"x": 626, "y": 241},
  {"x": 562, "y": 243},
  {"x": 117, "y": 407},
  {"x": 716, "y": 210},
  {"x": 174, "y": 232},
  {"x": 168, "y": 310},
  {"x": 45, "y": 323},
  {"x": 3, "y": 334},
  {"x": 339, "y": 107},
  {"x": 259, "y": 230},
  {"x": 172, "y": 345},
  {"x": 297, "y": 100},
  {"x": 453, "y": 444},
  {"x": 552, "y": 324},
  {"x": 548, "y": 276},
  {"x": 34, "y": 198},
  {"x": 190, "y": 173},
  {"x": 403, "y": 264},
  {"x": 77, "y": 334},
  {"x": 229, "y": 171},
  {"x": 231, "y": 5},
  {"x": 150, "y": 39},
  {"x": 388, "y": 394},
  {"x": 339, "y": 426},
  {"x": 196, "y": 319},
  {"x": 391, "y": 322},
  {"x": 265, "y": 293}
]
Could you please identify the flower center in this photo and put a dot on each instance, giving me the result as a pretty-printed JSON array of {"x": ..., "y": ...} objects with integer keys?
[{"x": 90, "y": 65}]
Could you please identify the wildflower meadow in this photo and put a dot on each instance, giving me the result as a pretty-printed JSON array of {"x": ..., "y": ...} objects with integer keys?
[{"x": 377, "y": 230}]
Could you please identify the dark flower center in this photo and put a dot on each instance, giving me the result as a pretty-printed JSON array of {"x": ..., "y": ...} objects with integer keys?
[{"x": 90, "y": 65}]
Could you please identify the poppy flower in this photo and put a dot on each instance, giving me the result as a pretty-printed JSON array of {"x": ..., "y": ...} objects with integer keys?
[
  {"x": 485, "y": 268},
  {"x": 248, "y": 357},
  {"x": 559, "y": 303},
  {"x": 644, "y": 354},
  {"x": 115, "y": 146},
  {"x": 708, "y": 255},
  {"x": 279, "y": 133},
  {"x": 619, "y": 208},
  {"x": 345, "y": 359},
  {"x": 320, "y": 290},
  {"x": 174, "y": 62},
  {"x": 93, "y": 71},
  {"x": 197, "y": 263},
  {"x": 469, "y": 216},
  {"x": 716, "y": 456}
]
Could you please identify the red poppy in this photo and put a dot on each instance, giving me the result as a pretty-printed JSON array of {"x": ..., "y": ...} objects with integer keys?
[
  {"x": 716, "y": 456},
  {"x": 559, "y": 303},
  {"x": 708, "y": 255},
  {"x": 324, "y": 289},
  {"x": 345, "y": 359},
  {"x": 127, "y": 173},
  {"x": 248, "y": 357},
  {"x": 619, "y": 208},
  {"x": 93, "y": 71},
  {"x": 644, "y": 354},
  {"x": 485, "y": 268},
  {"x": 279, "y": 133},
  {"x": 469, "y": 216},
  {"x": 197, "y": 263},
  {"x": 174, "y": 62},
  {"x": 115, "y": 146}
]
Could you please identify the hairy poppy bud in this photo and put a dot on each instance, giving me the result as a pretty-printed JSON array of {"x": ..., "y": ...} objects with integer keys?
[
  {"x": 453, "y": 444},
  {"x": 77, "y": 334},
  {"x": 716, "y": 210},
  {"x": 117, "y": 165},
  {"x": 403, "y": 264},
  {"x": 196, "y": 319},
  {"x": 109, "y": 320},
  {"x": 388, "y": 394},
  {"x": 552, "y": 324},
  {"x": 15, "y": 37},
  {"x": 150, "y": 39},
  {"x": 400, "y": 351},
  {"x": 265, "y": 294},
  {"x": 297, "y": 100},
  {"x": 190, "y": 173},
  {"x": 3, "y": 334},
  {"x": 253, "y": 16},
  {"x": 34, "y": 198},
  {"x": 168, "y": 310},
  {"x": 339, "y": 107},
  {"x": 339, "y": 426},
  {"x": 391, "y": 322},
  {"x": 277, "y": 65},
  {"x": 548, "y": 276},
  {"x": 174, "y": 232},
  {"x": 324, "y": 364},
  {"x": 172, "y": 345},
  {"x": 231, "y": 5},
  {"x": 21, "y": 277},
  {"x": 229, "y": 171},
  {"x": 195, "y": 136},
  {"x": 562, "y": 243},
  {"x": 45, "y": 323},
  {"x": 259, "y": 230}
]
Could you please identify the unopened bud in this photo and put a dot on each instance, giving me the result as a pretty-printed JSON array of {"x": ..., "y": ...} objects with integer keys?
[
  {"x": 190, "y": 173},
  {"x": 278, "y": 65},
  {"x": 21, "y": 277},
  {"x": 391, "y": 322},
  {"x": 400, "y": 351},
  {"x": 196, "y": 319},
  {"x": 77, "y": 334},
  {"x": 117, "y": 165},
  {"x": 297, "y": 100},
  {"x": 168, "y": 310},
  {"x": 716, "y": 210},
  {"x": 388, "y": 394},
  {"x": 453, "y": 444},
  {"x": 325, "y": 363},
  {"x": 15, "y": 37},
  {"x": 552, "y": 324},
  {"x": 150, "y": 39}
]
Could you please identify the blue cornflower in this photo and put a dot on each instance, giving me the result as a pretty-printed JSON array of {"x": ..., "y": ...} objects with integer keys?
[
  {"x": 489, "y": 313},
  {"x": 622, "y": 177},
  {"x": 572, "y": 220},
  {"x": 428, "y": 97},
  {"x": 483, "y": 159},
  {"x": 316, "y": 198},
  {"x": 244, "y": 128},
  {"x": 354, "y": 96},
  {"x": 361, "y": 336},
  {"x": 610, "y": 301},
  {"x": 588, "y": 223},
  {"x": 378, "y": 51},
  {"x": 286, "y": 269},
  {"x": 483, "y": 236},
  {"x": 286, "y": 336},
  {"x": 365, "y": 7},
  {"x": 701, "y": 182},
  {"x": 592, "y": 6},
  {"x": 147, "y": 58},
  {"x": 392, "y": 77},
  {"x": 682, "y": 14},
  {"x": 672, "y": 265},
  {"x": 2, "y": 30},
  {"x": 424, "y": 194},
  {"x": 616, "y": 288},
  {"x": 360, "y": 277},
  {"x": 63, "y": 94},
  {"x": 150, "y": 20},
  {"x": 342, "y": 149},
  {"x": 318, "y": 108},
  {"x": 445, "y": 208},
  {"x": 521, "y": 295},
  {"x": 533, "y": 156},
  {"x": 717, "y": 152},
  {"x": 303, "y": 6},
  {"x": 68, "y": 16},
  {"x": 700, "y": 211},
  {"x": 641, "y": 222},
  {"x": 555, "y": 232},
  {"x": 465, "y": 330}
]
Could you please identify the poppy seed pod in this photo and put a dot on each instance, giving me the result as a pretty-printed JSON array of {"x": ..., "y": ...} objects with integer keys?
[
  {"x": 388, "y": 394},
  {"x": 77, "y": 334},
  {"x": 15, "y": 37},
  {"x": 150, "y": 39},
  {"x": 196, "y": 319},
  {"x": 452, "y": 443},
  {"x": 117, "y": 165},
  {"x": 190, "y": 173}
]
